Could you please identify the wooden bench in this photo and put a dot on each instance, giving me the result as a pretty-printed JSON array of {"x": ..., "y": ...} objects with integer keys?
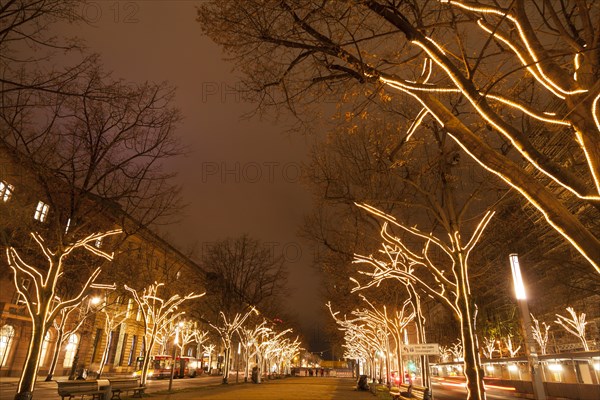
[
  {"x": 119, "y": 385},
  {"x": 406, "y": 391},
  {"x": 71, "y": 389}
]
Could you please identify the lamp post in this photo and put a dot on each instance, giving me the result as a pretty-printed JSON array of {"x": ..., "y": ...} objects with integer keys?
[
  {"x": 530, "y": 348},
  {"x": 237, "y": 363},
  {"x": 175, "y": 343},
  {"x": 94, "y": 301}
]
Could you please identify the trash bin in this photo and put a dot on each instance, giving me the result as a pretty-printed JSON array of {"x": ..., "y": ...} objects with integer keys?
[
  {"x": 104, "y": 386},
  {"x": 362, "y": 383},
  {"x": 255, "y": 375}
]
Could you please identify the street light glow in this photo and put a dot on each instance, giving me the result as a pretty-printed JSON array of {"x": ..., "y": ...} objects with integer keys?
[
  {"x": 95, "y": 300},
  {"x": 517, "y": 278}
]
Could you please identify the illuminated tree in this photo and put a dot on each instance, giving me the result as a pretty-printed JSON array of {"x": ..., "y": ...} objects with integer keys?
[
  {"x": 200, "y": 337},
  {"x": 447, "y": 281},
  {"x": 456, "y": 350},
  {"x": 372, "y": 333},
  {"x": 269, "y": 349},
  {"x": 540, "y": 336},
  {"x": 395, "y": 324},
  {"x": 445, "y": 353},
  {"x": 41, "y": 300},
  {"x": 575, "y": 325},
  {"x": 63, "y": 334},
  {"x": 249, "y": 338},
  {"x": 489, "y": 347},
  {"x": 209, "y": 349},
  {"x": 226, "y": 331},
  {"x": 506, "y": 81},
  {"x": 157, "y": 313},
  {"x": 510, "y": 346},
  {"x": 165, "y": 333},
  {"x": 112, "y": 320}
]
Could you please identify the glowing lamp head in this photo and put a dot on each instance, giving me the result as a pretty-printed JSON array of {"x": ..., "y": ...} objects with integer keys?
[
  {"x": 95, "y": 300},
  {"x": 517, "y": 278}
]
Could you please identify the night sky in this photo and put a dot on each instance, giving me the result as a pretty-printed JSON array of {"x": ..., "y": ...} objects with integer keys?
[{"x": 241, "y": 176}]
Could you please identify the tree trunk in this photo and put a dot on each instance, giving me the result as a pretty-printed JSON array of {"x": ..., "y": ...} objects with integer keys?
[
  {"x": 226, "y": 365},
  {"x": 472, "y": 363},
  {"x": 55, "y": 356},
  {"x": 29, "y": 374},
  {"x": 146, "y": 363},
  {"x": 104, "y": 358}
]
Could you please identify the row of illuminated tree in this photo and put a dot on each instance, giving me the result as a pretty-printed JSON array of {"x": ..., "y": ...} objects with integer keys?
[
  {"x": 160, "y": 316},
  {"x": 376, "y": 334}
]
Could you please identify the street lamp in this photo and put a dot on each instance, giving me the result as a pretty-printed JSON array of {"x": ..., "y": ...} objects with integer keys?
[
  {"x": 530, "y": 349},
  {"x": 175, "y": 344},
  {"x": 94, "y": 301},
  {"x": 237, "y": 362}
]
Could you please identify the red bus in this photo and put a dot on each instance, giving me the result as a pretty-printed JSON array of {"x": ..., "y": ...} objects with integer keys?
[
  {"x": 160, "y": 367},
  {"x": 191, "y": 367}
]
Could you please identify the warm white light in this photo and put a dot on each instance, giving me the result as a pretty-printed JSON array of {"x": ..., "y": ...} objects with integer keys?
[
  {"x": 555, "y": 367},
  {"x": 489, "y": 368},
  {"x": 95, "y": 300},
  {"x": 513, "y": 367},
  {"x": 597, "y": 366},
  {"x": 517, "y": 278}
]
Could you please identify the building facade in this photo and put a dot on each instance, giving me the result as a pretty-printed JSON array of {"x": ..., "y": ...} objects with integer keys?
[{"x": 140, "y": 259}]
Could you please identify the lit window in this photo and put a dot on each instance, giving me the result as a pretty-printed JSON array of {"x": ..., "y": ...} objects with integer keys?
[
  {"x": 5, "y": 191},
  {"x": 45, "y": 345},
  {"x": 6, "y": 334},
  {"x": 41, "y": 211},
  {"x": 71, "y": 349},
  {"x": 129, "y": 307}
]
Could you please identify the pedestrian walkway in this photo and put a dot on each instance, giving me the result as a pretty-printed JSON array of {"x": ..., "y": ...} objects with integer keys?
[
  {"x": 209, "y": 388},
  {"x": 296, "y": 388}
]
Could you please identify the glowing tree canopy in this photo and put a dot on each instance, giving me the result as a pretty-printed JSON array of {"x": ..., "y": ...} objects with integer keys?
[
  {"x": 157, "y": 314},
  {"x": 540, "y": 336},
  {"x": 226, "y": 331},
  {"x": 446, "y": 279},
  {"x": 489, "y": 347},
  {"x": 575, "y": 325},
  {"x": 508, "y": 81},
  {"x": 41, "y": 300}
]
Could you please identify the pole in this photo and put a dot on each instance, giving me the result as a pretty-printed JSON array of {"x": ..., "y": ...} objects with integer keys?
[
  {"x": 175, "y": 343},
  {"x": 530, "y": 348},
  {"x": 237, "y": 364}
]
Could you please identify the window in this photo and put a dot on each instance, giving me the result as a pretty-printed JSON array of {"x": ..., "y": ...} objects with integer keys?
[
  {"x": 41, "y": 211},
  {"x": 129, "y": 308},
  {"x": 6, "y": 334},
  {"x": 71, "y": 350},
  {"x": 5, "y": 191},
  {"x": 96, "y": 343},
  {"x": 45, "y": 345},
  {"x": 132, "y": 350}
]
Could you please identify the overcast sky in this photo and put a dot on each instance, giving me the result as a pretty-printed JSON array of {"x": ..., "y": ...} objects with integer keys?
[{"x": 240, "y": 176}]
